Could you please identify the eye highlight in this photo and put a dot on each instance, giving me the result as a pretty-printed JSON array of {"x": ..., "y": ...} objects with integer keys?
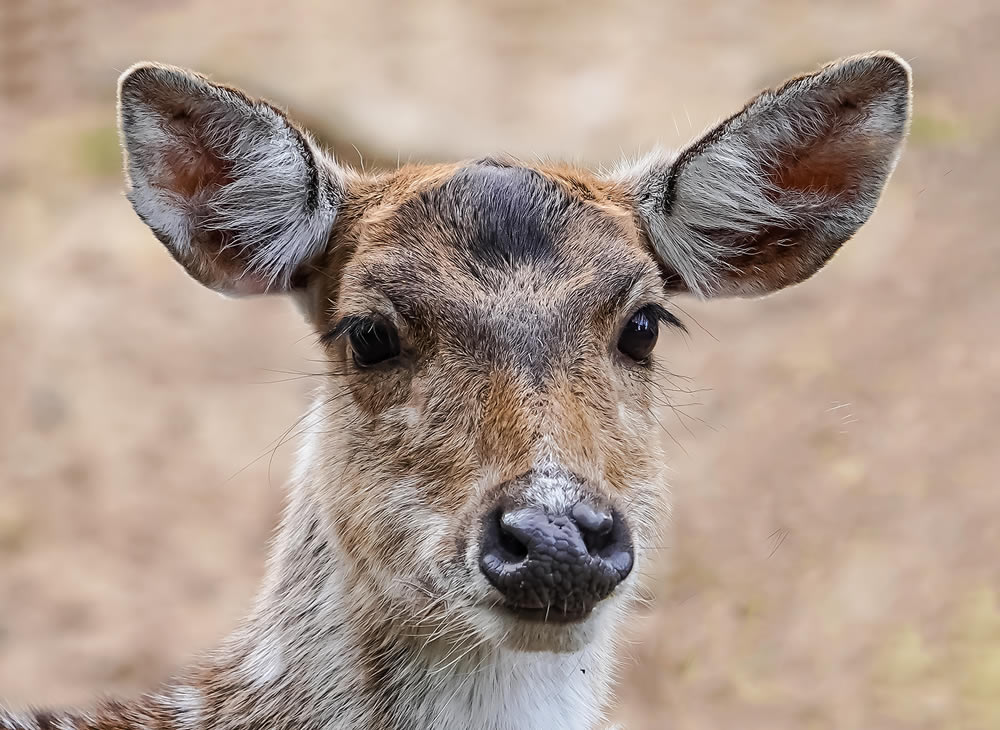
[{"x": 638, "y": 336}]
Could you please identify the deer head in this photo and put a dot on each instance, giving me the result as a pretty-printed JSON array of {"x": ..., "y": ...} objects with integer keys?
[{"x": 485, "y": 451}]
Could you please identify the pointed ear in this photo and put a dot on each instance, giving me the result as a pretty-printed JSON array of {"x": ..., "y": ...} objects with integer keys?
[
  {"x": 239, "y": 196},
  {"x": 766, "y": 198}
]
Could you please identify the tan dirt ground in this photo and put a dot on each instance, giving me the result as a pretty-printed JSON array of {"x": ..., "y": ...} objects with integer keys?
[{"x": 834, "y": 556}]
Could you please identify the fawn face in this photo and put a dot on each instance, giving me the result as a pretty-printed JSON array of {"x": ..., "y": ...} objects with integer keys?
[
  {"x": 491, "y": 335},
  {"x": 486, "y": 447}
]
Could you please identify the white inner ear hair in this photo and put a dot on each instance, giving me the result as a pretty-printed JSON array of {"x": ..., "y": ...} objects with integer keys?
[{"x": 280, "y": 199}]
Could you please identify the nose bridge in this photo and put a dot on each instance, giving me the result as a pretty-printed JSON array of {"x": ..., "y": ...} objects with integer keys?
[
  {"x": 541, "y": 410},
  {"x": 511, "y": 421},
  {"x": 546, "y": 428},
  {"x": 569, "y": 429}
]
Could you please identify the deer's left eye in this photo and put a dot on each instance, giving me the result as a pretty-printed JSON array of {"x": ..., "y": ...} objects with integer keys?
[{"x": 638, "y": 338}]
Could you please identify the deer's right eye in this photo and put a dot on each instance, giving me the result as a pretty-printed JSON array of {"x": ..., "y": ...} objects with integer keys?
[{"x": 373, "y": 342}]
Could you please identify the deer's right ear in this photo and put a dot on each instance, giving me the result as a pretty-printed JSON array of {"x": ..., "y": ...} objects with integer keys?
[{"x": 242, "y": 198}]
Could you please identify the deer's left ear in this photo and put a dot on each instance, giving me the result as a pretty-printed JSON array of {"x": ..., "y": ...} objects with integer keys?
[
  {"x": 766, "y": 198},
  {"x": 239, "y": 195}
]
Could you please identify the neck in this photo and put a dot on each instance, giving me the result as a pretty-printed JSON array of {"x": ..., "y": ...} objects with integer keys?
[{"x": 318, "y": 651}]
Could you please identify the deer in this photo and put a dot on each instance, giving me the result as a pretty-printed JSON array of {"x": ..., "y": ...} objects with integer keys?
[{"x": 466, "y": 532}]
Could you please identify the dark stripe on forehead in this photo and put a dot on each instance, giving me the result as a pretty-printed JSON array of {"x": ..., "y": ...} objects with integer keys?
[{"x": 501, "y": 217}]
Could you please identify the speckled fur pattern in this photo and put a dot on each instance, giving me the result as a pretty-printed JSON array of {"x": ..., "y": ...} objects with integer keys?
[{"x": 508, "y": 285}]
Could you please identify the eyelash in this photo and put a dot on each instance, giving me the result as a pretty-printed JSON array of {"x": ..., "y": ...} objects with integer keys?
[
  {"x": 663, "y": 316},
  {"x": 344, "y": 327}
]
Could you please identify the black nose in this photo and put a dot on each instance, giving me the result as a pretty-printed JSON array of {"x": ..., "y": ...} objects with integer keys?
[{"x": 555, "y": 566}]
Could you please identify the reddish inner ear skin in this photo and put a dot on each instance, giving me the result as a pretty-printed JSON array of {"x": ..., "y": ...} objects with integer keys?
[
  {"x": 192, "y": 171},
  {"x": 191, "y": 167},
  {"x": 823, "y": 169}
]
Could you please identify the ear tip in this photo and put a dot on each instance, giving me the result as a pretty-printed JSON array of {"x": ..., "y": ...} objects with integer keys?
[
  {"x": 139, "y": 74},
  {"x": 137, "y": 81},
  {"x": 887, "y": 66},
  {"x": 893, "y": 58},
  {"x": 893, "y": 66}
]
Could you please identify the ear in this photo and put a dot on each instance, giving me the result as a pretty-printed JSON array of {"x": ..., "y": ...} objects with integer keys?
[
  {"x": 767, "y": 197},
  {"x": 239, "y": 196}
]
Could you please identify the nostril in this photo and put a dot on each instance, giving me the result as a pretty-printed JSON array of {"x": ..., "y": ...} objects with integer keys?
[
  {"x": 504, "y": 544},
  {"x": 597, "y": 544},
  {"x": 596, "y": 527},
  {"x": 592, "y": 520},
  {"x": 511, "y": 547}
]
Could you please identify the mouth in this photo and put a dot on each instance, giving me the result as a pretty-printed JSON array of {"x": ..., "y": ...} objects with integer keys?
[{"x": 549, "y": 614}]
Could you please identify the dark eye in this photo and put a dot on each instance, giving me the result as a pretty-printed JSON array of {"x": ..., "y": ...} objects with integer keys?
[
  {"x": 639, "y": 336},
  {"x": 373, "y": 342}
]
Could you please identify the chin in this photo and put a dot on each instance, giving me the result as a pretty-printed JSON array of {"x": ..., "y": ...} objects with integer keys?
[{"x": 552, "y": 631}]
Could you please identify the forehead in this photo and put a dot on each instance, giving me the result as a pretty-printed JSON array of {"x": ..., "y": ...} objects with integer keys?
[{"x": 491, "y": 232}]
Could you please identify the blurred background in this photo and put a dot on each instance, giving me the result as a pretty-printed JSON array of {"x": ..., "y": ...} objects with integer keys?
[{"x": 834, "y": 556}]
